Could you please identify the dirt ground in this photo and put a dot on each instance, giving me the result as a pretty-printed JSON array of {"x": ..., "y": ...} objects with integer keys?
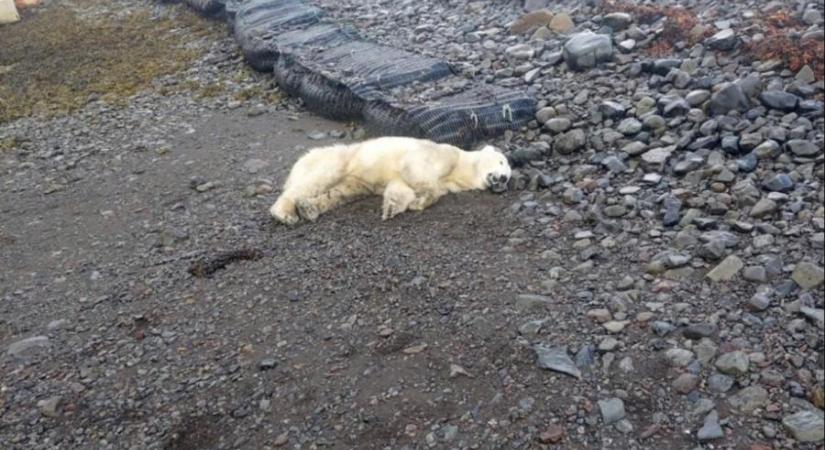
[{"x": 347, "y": 333}]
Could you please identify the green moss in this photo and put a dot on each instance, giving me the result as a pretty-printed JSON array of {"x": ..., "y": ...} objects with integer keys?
[
  {"x": 8, "y": 143},
  {"x": 54, "y": 61}
]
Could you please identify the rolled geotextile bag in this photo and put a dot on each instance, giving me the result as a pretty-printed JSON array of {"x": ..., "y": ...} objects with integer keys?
[
  {"x": 230, "y": 10},
  {"x": 209, "y": 8},
  {"x": 463, "y": 119},
  {"x": 257, "y": 21},
  {"x": 338, "y": 81}
]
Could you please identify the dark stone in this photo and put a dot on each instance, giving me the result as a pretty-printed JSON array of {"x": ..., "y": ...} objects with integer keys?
[
  {"x": 730, "y": 97},
  {"x": 778, "y": 183},
  {"x": 698, "y": 331},
  {"x": 780, "y": 100},
  {"x": 673, "y": 206}
]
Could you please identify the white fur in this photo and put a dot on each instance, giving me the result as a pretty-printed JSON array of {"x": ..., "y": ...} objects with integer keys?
[{"x": 409, "y": 173}]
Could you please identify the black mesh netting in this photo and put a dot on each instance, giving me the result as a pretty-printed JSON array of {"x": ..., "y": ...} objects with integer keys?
[
  {"x": 461, "y": 119},
  {"x": 342, "y": 76},
  {"x": 210, "y": 8},
  {"x": 258, "y": 21},
  {"x": 337, "y": 81}
]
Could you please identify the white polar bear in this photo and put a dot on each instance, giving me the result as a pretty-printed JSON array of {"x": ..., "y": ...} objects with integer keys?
[{"x": 409, "y": 173}]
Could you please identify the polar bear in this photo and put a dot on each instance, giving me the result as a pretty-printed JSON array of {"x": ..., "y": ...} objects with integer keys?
[{"x": 410, "y": 174}]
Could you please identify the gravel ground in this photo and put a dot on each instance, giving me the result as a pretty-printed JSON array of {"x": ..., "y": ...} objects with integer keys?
[{"x": 653, "y": 279}]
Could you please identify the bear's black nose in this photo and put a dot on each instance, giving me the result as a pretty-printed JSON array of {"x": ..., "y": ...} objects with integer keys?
[{"x": 502, "y": 178}]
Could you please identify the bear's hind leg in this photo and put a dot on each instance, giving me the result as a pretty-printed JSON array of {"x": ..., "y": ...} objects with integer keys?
[
  {"x": 397, "y": 199},
  {"x": 342, "y": 193}
]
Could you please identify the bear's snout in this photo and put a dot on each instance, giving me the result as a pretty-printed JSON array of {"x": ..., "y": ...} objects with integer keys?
[{"x": 497, "y": 182}]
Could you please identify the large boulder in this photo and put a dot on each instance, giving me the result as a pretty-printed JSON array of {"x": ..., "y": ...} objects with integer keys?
[{"x": 587, "y": 49}]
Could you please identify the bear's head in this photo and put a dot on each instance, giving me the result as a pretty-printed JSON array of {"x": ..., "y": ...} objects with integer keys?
[{"x": 492, "y": 167}]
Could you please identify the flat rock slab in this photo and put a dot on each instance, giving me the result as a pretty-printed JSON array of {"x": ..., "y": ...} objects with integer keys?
[
  {"x": 556, "y": 359},
  {"x": 20, "y": 348},
  {"x": 806, "y": 426},
  {"x": 727, "y": 269}
]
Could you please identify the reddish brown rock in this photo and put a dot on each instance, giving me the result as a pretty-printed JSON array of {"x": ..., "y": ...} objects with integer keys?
[
  {"x": 553, "y": 435},
  {"x": 531, "y": 21}
]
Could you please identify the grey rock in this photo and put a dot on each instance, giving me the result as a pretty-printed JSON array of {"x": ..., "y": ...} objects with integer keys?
[
  {"x": 748, "y": 163},
  {"x": 56, "y": 324},
  {"x": 255, "y": 165},
  {"x": 734, "y": 363},
  {"x": 654, "y": 122},
  {"x": 672, "y": 206},
  {"x": 808, "y": 275},
  {"x": 615, "y": 211},
  {"x": 779, "y": 183},
  {"x": 614, "y": 164},
  {"x": 531, "y": 328},
  {"x": 617, "y": 21},
  {"x": 21, "y": 347},
  {"x": 612, "y": 410},
  {"x": 811, "y": 16},
  {"x": 663, "y": 66},
  {"x": 816, "y": 315},
  {"x": 656, "y": 158},
  {"x": 587, "y": 49},
  {"x": 612, "y": 110},
  {"x": 520, "y": 52},
  {"x": 556, "y": 359},
  {"x": 697, "y": 97},
  {"x": 570, "y": 141},
  {"x": 757, "y": 274},
  {"x": 531, "y": 301},
  {"x": 723, "y": 40},
  {"x": 764, "y": 207},
  {"x": 535, "y": 5},
  {"x": 545, "y": 114},
  {"x": 676, "y": 107},
  {"x": 749, "y": 399},
  {"x": 727, "y": 269},
  {"x": 662, "y": 328},
  {"x": 749, "y": 141},
  {"x": 805, "y": 426},
  {"x": 767, "y": 149},
  {"x": 317, "y": 135},
  {"x": 730, "y": 144},
  {"x": 627, "y": 45},
  {"x": 624, "y": 426},
  {"x": 702, "y": 407},
  {"x": 558, "y": 124},
  {"x": 685, "y": 383},
  {"x": 586, "y": 356},
  {"x": 759, "y": 302},
  {"x": 711, "y": 429},
  {"x": 806, "y": 75},
  {"x": 698, "y": 331},
  {"x": 608, "y": 344},
  {"x": 267, "y": 364},
  {"x": 728, "y": 98},
  {"x": 49, "y": 407},
  {"x": 800, "y": 147},
  {"x": 679, "y": 357},
  {"x": 781, "y": 100},
  {"x": 720, "y": 383}
]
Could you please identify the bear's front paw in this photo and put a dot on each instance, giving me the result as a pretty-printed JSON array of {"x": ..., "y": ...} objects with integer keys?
[
  {"x": 307, "y": 210},
  {"x": 282, "y": 216}
]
